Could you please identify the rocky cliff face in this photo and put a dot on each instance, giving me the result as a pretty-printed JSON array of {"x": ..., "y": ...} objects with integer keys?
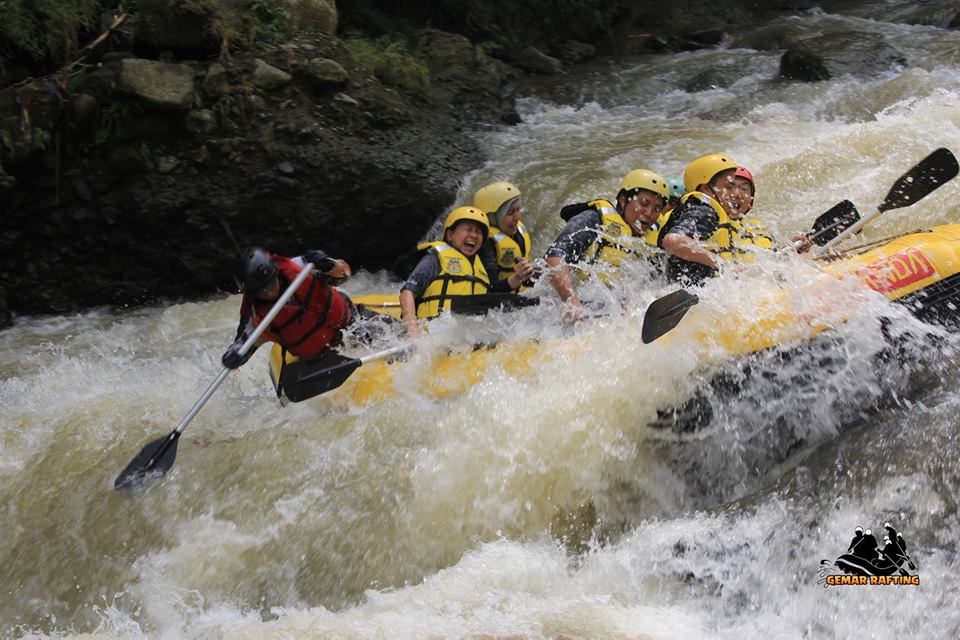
[
  {"x": 120, "y": 178},
  {"x": 124, "y": 176}
]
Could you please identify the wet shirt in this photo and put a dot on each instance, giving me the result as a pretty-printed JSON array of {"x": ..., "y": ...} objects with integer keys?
[
  {"x": 578, "y": 235},
  {"x": 695, "y": 220},
  {"x": 692, "y": 219}
]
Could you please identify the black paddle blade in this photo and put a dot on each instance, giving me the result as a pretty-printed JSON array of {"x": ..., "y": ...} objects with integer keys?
[
  {"x": 837, "y": 219},
  {"x": 481, "y": 304},
  {"x": 936, "y": 169},
  {"x": 665, "y": 313},
  {"x": 305, "y": 379},
  {"x": 153, "y": 461}
]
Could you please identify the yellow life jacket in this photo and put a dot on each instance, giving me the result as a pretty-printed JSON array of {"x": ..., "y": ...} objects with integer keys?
[
  {"x": 459, "y": 276},
  {"x": 509, "y": 250},
  {"x": 651, "y": 234},
  {"x": 608, "y": 247},
  {"x": 734, "y": 240}
]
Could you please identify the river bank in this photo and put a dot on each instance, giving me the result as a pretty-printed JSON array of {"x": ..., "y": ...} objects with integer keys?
[{"x": 129, "y": 177}]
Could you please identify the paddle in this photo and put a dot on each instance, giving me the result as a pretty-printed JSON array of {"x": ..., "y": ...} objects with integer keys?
[
  {"x": 157, "y": 457},
  {"x": 480, "y": 304},
  {"x": 305, "y": 379},
  {"x": 930, "y": 173},
  {"x": 476, "y": 305},
  {"x": 830, "y": 224},
  {"x": 665, "y": 313}
]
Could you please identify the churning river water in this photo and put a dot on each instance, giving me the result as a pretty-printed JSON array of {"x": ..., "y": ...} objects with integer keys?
[{"x": 537, "y": 505}]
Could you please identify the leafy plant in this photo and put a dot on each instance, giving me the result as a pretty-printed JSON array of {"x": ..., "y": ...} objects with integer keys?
[
  {"x": 271, "y": 19},
  {"x": 392, "y": 63}
]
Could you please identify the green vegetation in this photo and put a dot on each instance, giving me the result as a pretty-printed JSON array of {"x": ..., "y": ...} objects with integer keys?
[
  {"x": 45, "y": 28},
  {"x": 269, "y": 19},
  {"x": 51, "y": 31},
  {"x": 392, "y": 63}
]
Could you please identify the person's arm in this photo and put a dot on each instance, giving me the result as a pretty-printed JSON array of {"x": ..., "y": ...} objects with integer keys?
[
  {"x": 687, "y": 248},
  {"x": 420, "y": 278},
  {"x": 408, "y": 313},
  {"x": 579, "y": 233},
  {"x": 522, "y": 271},
  {"x": 333, "y": 271},
  {"x": 563, "y": 284},
  {"x": 231, "y": 357}
]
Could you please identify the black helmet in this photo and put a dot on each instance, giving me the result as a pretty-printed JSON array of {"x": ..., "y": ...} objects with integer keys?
[{"x": 255, "y": 269}]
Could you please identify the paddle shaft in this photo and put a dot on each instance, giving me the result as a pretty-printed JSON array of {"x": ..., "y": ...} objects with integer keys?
[
  {"x": 926, "y": 177},
  {"x": 245, "y": 347},
  {"x": 852, "y": 229},
  {"x": 386, "y": 353}
]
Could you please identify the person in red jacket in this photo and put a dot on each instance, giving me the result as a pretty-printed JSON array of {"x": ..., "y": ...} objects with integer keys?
[{"x": 311, "y": 320}]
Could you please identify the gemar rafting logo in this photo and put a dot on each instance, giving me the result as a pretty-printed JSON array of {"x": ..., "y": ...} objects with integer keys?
[{"x": 868, "y": 563}]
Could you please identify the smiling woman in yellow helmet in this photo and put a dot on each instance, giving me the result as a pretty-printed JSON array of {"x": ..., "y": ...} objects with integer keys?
[
  {"x": 709, "y": 225},
  {"x": 450, "y": 267},
  {"x": 507, "y": 250},
  {"x": 595, "y": 231}
]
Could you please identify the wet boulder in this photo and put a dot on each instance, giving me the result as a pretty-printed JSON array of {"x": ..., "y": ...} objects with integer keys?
[
  {"x": 313, "y": 15},
  {"x": 157, "y": 85},
  {"x": 268, "y": 77},
  {"x": 535, "y": 61},
  {"x": 323, "y": 74},
  {"x": 458, "y": 69},
  {"x": 799, "y": 63}
]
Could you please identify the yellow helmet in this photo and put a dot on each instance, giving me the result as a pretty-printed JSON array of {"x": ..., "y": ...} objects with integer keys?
[
  {"x": 490, "y": 198},
  {"x": 703, "y": 169},
  {"x": 467, "y": 213},
  {"x": 645, "y": 179}
]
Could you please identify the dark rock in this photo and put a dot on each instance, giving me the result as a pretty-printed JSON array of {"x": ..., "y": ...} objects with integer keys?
[
  {"x": 323, "y": 74},
  {"x": 201, "y": 122},
  {"x": 84, "y": 111},
  {"x": 184, "y": 29},
  {"x": 216, "y": 82},
  {"x": 157, "y": 85},
  {"x": 510, "y": 117},
  {"x": 268, "y": 77},
  {"x": 458, "y": 69},
  {"x": 706, "y": 38},
  {"x": 799, "y": 63},
  {"x": 131, "y": 159},
  {"x": 856, "y": 53},
  {"x": 534, "y": 60},
  {"x": 572, "y": 51},
  {"x": 167, "y": 164},
  {"x": 307, "y": 15}
]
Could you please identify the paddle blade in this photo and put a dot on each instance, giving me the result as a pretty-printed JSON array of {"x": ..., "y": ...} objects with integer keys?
[
  {"x": 305, "y": 379},
  {"x": 153, "y": 461},
  {"x": 481, "y": 304},
  {"x": 837, "y": 219},
  {"x": 934, "y": 170},
  {"x": 665, "y": 313}
]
